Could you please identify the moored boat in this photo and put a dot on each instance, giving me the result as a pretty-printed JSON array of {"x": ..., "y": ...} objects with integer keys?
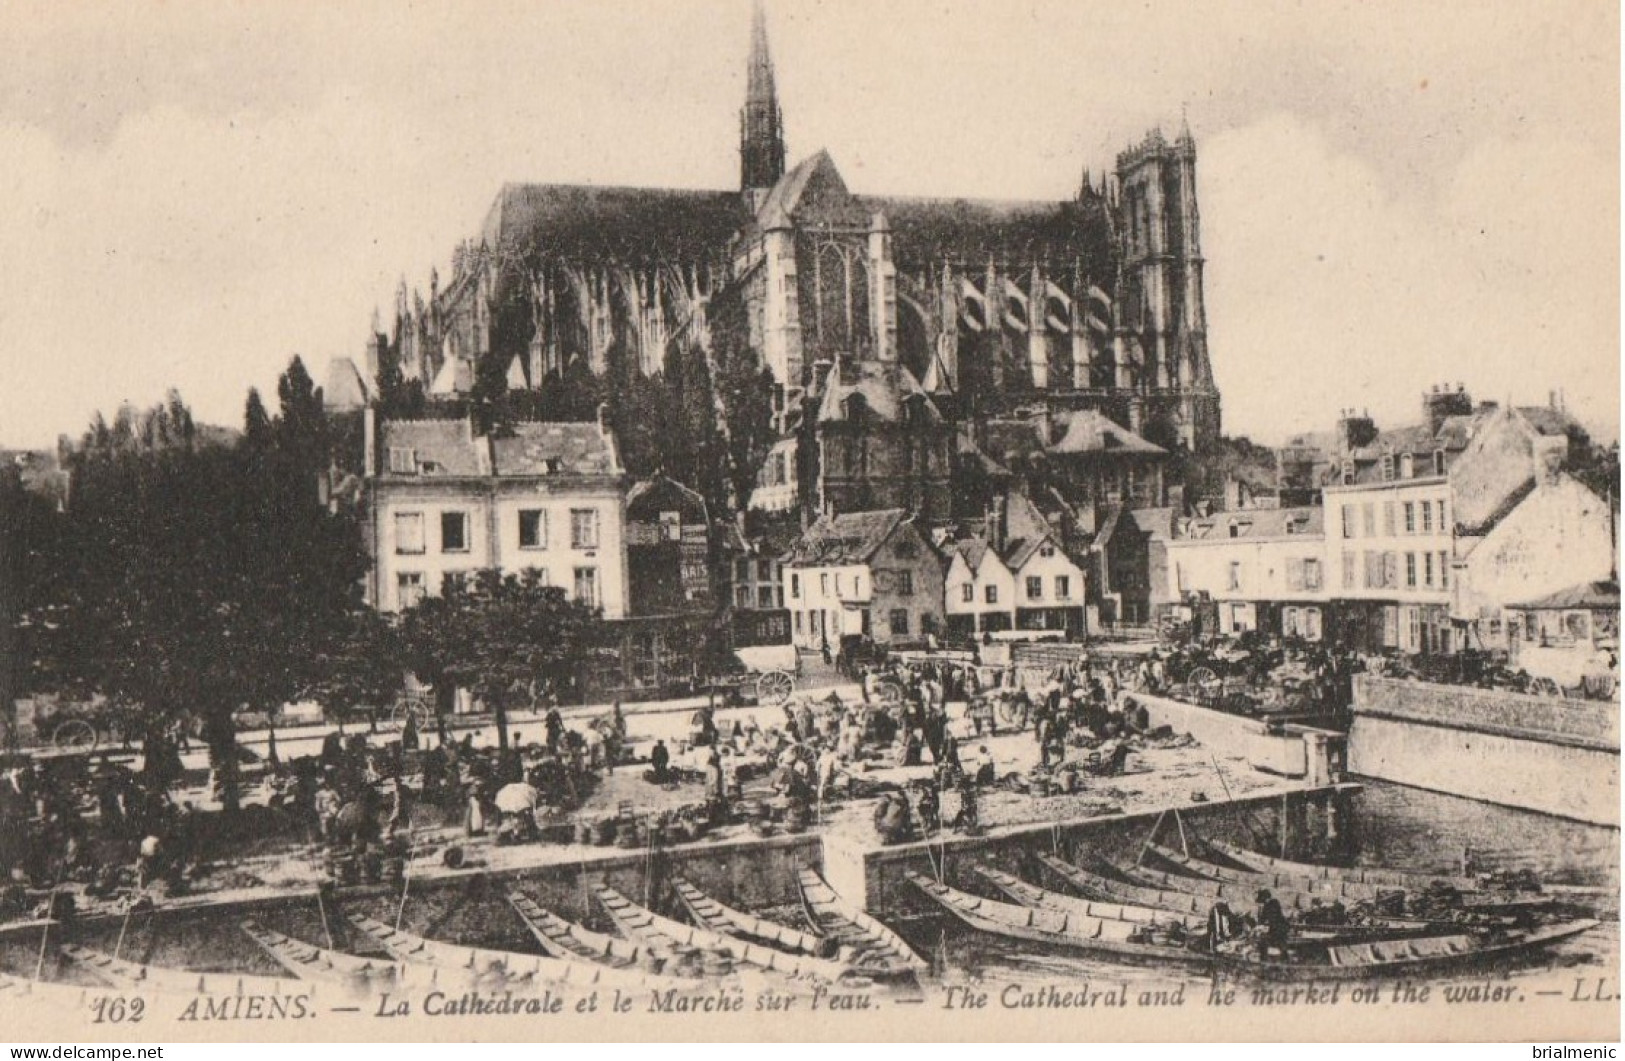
[
  {"x": 1112, "y": 889},
  {"x": 306, "y": 961},
  {"x": 1303, "y": 959},
  {"x": 571, "y": 942},
  {"x": 718, "y": 917},
  {"x": 1385, "y": 878},
  {"x": 505, "y": 969},
  {"x": 673, "y": 939},
  {"x": 872, "y": 943},
  {"x": 1028, "y": 894}
]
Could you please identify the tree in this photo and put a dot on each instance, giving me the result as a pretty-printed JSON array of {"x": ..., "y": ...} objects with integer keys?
[
  {"x": 257, "y": 430},
  {"x": 195, "y": 579},
  {"x": 499, "y": 636}
]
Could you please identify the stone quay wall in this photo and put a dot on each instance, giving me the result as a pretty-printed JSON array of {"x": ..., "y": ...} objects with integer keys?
[{"x": 1558, "y": 757}]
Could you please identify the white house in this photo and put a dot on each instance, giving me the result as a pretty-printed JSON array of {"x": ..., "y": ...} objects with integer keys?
[
  {"x": 862, "y": 574},
  {"x": 1017, "y": 578},
  {"x": 1556, "y": 536},
  {"x": 444, "y": 503}
]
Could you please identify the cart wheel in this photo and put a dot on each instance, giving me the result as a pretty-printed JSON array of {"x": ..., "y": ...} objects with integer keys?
[
  {"x": 774, "y": 687},
  {"x": 413, "y": 710},
  {"x": 1012, "y": 715},
  {"x": 1203, "y": 683},
  {"x": 75, "y": 735}
]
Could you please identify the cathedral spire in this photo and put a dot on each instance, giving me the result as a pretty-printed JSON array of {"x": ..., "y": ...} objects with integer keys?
[{"x": 761, "y": 126}]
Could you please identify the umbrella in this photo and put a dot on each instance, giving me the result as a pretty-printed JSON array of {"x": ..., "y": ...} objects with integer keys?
[{"x": 517, "y": 798}]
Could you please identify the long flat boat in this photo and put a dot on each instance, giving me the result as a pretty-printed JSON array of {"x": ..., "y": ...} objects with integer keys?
[
  {"x": 1111, "y": 889},
  {"x": 1308, "y": 960},
  {"x": 1243, "y": 895},
  {"x": 718, "y": 917},
  {"x": 504, "y": 968},
  {"x": 670, "y": 939},
  {"x": 853, "y": 927},
  {"x": 306, "y": 961},
  {"x": 1384, "y": 878},
  {"x": 128, "y": 975},
  {"x": 569, "y": 941},
  {"x": 1478, "y": 902},
  {"x": 1029, "y": 894}
]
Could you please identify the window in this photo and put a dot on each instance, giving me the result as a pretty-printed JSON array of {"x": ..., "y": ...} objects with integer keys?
[
  {"x": 403, "y": 460},
  {"x": 795, "y": 587},
  {"x": 1427, "y": 569},
  {"x": 453, "y": 582},
  {"x": 587, "y": 586},
  {"x": 905, "y": 584},
  {"x": 1390, "y": 570},
  {"x": 899, "y": 621},
  {"x": 1348, "y": 569},
  {"x": 409, "y": 588},
  {"x": 1035, "y": 587},
  {"x": 1407, "y": 467},
  {"x": 1311, "y": 574},
  {"x": 532, "y": 528},
  {"x": 823, "y": 583},
  {"x": 1388, "y": 524},
  {"x": 1373, "y": 570},
  {"x": 1410, "y": 570},
  {"x": 1410, "y": 517},
  {"x": 991, "y": 594},
  {"x": 798, "y": 622},
  {"x": 583, "y": 528},
  {"x": 1387, "y": 467},
  {"x": 967, "y": 593},
  {"x": 1368, "y": 516},
  {"x": 1438, "y": 462},
  {"x": 1348, "y": 521},
  {"x": 764, "y": 571},
  {"x": 454, "y": 532},
  {"x": 837, "y": 583},
  {"x": 1444, "y": 523},
  {"x": 857, "y": 586},
  {"x": 671, "y": 526},
  {"x": 408, "y": 533},
  {"x": 742, "y": 596},
  {"x": 1235, "y": 574},
  {"x": 741, "y": 570},
  {"x": 1444, "y": 569},
  {"x": 1427, "y": 517},
  {"x": 1063, "y": 587},
  {"x": 764, "y": 596},
  {"x": 1311, "y": 624}
]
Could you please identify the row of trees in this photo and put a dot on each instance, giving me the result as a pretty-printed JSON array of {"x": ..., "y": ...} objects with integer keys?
[{"x": 200, "y": 574}]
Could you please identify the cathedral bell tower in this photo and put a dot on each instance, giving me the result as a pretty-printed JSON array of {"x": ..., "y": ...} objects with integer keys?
[{"x": 761, "y": 125}]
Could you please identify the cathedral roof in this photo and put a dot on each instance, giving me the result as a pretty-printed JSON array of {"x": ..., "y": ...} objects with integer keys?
[{"x": 630, "y": 224}]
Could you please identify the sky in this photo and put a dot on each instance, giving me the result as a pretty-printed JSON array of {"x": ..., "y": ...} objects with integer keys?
[{"x": 1393, "y": 195}]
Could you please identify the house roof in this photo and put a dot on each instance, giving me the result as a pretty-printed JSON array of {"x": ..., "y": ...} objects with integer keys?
[
  {"x": 850, "y": 538},
  {"x": 1598, "y": 595},
  {"x": 972, "y": 550},
  {"x": 1156, "y": 523},
  {"x": 438, "y": 447},
  {"x": 549, "y": 448},
  {"x": 1257, "y": 524},
  {"x": 651, "y": 488},
  {"x": 1548, "y": 421}
]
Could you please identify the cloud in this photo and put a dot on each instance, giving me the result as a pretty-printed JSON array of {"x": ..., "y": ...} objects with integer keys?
[{"x": 1331, "y": 286}]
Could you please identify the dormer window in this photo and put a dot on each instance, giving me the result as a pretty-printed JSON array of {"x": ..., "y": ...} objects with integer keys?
[
  {"x": 1438, "y": 462},
  {"x": 1407, "y": 466},
  {"x": 1387, "y": 467},
  {"x": 403, "y": 460}
]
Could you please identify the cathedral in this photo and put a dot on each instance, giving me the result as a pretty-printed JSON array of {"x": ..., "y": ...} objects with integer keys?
[{"x": 895, "y": 329}]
